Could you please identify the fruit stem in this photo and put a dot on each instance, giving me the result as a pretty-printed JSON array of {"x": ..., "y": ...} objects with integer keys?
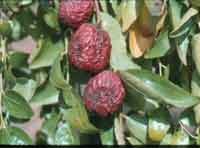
[{"x": 97, "y": 12}]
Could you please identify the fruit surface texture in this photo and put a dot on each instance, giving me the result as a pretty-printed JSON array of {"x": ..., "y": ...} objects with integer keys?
[
  {"x": 75, "y": 12},
  {"x": 104, "y": 93},
  {"x": 89, "y": 48}
]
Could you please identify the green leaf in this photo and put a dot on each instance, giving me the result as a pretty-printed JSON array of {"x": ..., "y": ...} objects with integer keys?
[
  {"x": 49, "y": 126},
  {"x": 119, "y": 58},
  {"x": 51, "y": 18},
  {"x": 16, "y": 29},
  {"x": 45, "y": 95},
  {"x": 160, "y": 47},
  {"x": 195, "y": 3},
  {"x": 134, "y": 99},
  {"x": 178, "y": 138},
  {"x": 151, "y": 105},
  {"x": 195, "y": 84},
  {"x": 5, "y": 28},
  {"x": 175, "y": 12},
  {"x": 137, "y": 126},
  {"x": 25, "y": 2},
  {"x": 158, "y": 125},
  {"x": 77, "y": 115},
  {"x": 197, "y": 113},
  {"x": 14, "y": 136},
  {"x": 158, "y": 88},
  {"x": 184, "y": 24},
  {"x": 41, "y": 77},
  {"x": 47, "y": 54},
  {"x": 198, "y": 140},
  {"x": 66, "y": 135},
  {"x": 182, "y": 44},
  {"x": 25, "y": 87},
  {"x": 133, "y": 141},
  {"x": 56, "y": 76},
  {"x": 196, "y": 51},
  {"x": 107, "y": 137},
  {"x": 17, "y": 106},
  {"x": 128, "y": 13},
  {"x": 18, "y": 59}
]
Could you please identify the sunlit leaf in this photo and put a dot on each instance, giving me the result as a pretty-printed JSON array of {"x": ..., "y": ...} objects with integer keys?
[
  {"x": 160, "y": 47},
  {"x": 137, "y": 126},
  {"x": 118, "y": 44},
  {"x": 45, "y": 95},
  {"x": 14, "y": 136}
]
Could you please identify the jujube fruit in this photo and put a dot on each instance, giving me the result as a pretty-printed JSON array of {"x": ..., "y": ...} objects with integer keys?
[
  {"x": 104, "y": 93},
  {"x": 89, "y": 48},
  {"x": 75, "y": 12}
]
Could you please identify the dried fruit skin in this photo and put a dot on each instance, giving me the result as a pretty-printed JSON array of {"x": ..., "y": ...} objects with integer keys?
[
  {"x": 89, "y": 48},
  {"x": 104, "y": 93},
  {"x": 75, "y": 12}
]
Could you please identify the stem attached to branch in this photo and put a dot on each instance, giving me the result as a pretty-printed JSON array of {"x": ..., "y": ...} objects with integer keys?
[{"x": 97, "y": 12}]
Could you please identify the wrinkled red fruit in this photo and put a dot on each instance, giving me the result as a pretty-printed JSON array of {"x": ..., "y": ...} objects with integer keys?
[
  {"x": 104, "y": 93},
  {"x": 75, "y": 12},
  {"x": 89, "y": 48}
]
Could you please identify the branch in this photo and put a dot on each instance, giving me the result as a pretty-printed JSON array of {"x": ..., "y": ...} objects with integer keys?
[{"x": 2, "y": 51}]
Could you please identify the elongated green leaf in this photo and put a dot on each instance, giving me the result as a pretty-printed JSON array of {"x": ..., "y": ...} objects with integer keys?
[
  {"x": 17, "y": 106},
  {"x": 185, "y": 23},
  {"x": 107, "y": 137},
  {"x": 77, "y": 115},
  {"x": 14, "y": 136},
  {"x": 159, "y": 88},
  {"x": 181, "y": 42},
  {"x": 133, "y": 141},
  {"x": 56, "y": 76},
  {"x": 175, "y": 12},
  {"x": 137, "y": 126},
  {"x": 197, "y": 113},
  {"x": 47, "y": 54},
  {"x": 196, "y": 51},
  {"x": 45, "y": 95},
  {"x": 160, "y": 47},
  {"x": 119, "y": 58},
  {"x": 195, "y": 84}
]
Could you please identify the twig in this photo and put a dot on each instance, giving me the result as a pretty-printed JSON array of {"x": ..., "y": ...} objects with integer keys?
[
  {"x": 97, "y": 12},
  {"x": 2, "y": 50},
  {"x": 186, "y": 130}
]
